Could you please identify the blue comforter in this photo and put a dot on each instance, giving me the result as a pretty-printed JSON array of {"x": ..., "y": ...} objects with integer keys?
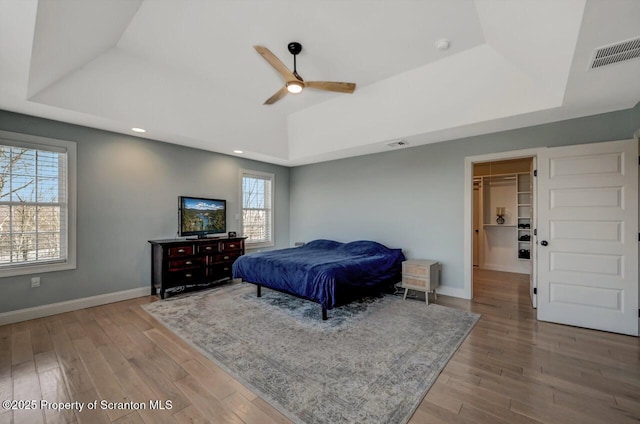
[{"x": 322, "y": 270}]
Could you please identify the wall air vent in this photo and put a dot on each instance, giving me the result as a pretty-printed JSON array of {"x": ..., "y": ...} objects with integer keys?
[
  {"x": 614, "y": 53},
  {"x": 398, "y": 143}
]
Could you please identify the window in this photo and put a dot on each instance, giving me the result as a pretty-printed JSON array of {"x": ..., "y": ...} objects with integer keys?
[
  {"x": 36, "y": 234},
  {"x": 257, "y": 207}
]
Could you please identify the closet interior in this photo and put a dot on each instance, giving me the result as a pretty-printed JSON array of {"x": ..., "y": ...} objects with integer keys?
[{"x": 503, "y": 215}]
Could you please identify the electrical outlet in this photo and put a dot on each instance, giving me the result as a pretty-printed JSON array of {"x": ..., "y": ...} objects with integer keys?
[{"x": 35, "y": 282}]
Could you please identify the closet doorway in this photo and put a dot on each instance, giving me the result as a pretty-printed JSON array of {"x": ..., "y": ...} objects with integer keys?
[{"x": 503, "y": 220}]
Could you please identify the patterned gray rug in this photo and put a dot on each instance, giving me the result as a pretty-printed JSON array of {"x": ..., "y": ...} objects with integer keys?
[{"x": 371, "y": 362}]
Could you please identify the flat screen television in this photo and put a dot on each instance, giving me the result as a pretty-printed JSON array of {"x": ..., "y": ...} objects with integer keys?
[{"x": 200, "y": 217}]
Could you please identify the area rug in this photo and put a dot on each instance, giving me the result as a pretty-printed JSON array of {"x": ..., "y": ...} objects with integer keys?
[{"x": 371, "y": 362}]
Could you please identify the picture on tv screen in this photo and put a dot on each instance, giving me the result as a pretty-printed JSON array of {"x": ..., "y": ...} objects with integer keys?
[{"x": 202, "y": 216}]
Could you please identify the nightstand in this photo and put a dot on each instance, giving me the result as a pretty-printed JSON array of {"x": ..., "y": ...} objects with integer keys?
[{"x": 421, "y": 275}]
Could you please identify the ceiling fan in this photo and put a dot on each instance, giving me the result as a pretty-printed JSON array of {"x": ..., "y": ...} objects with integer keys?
[{"x": 293, "y": 81}]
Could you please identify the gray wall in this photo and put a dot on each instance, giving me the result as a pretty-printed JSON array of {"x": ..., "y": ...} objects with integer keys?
[
  {"x": 128, "y": 190},
  {"x": 414, "y": 198},
  {"x": 410, "y": 198}
]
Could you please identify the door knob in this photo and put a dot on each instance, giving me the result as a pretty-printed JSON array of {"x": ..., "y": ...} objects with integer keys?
[{"x": 544, "y": 243}]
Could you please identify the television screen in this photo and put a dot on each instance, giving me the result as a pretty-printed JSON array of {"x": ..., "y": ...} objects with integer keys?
[{"x": 199, "y": 216}]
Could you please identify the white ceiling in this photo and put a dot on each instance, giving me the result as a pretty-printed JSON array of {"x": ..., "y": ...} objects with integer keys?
[{"x": 187, "y": 72}]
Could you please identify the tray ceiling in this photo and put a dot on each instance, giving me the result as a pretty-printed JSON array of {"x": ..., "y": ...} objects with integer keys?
[{"x": 187, "y": 72}]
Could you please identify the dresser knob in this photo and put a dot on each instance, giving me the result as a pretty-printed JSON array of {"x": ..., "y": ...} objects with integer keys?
[
  {"x": 208, "y": 248},
  {"x": 188, "y": 263},
  {"x": 226, "y": 257},
  {"x": 188, "y": 275},
  {"x": 180, "y": 250},
  {"x": 232, "y": 245},
  {"x": 226, "y": 268}
]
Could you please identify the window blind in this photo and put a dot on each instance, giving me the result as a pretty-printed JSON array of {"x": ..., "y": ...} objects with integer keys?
[
  {"x": 257, "y": 207},
  {"x": 33, "y": 205}
]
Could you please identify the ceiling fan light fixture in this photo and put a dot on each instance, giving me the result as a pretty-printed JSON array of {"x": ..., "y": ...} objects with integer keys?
[{"x": 294, "y": 87}]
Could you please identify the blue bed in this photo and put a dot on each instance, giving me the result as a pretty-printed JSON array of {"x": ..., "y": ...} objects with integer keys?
[{"x": 324, "y": 271}]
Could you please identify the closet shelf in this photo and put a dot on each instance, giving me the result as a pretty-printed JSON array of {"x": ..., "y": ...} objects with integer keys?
[{"x": 499, "y": 225}]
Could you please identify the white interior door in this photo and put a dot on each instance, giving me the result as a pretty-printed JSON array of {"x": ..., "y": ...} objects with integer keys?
[
  {"x": 533, "y": 284},
  {"x": 588, "y": 236},
  {"x": 476, "y": 222}
]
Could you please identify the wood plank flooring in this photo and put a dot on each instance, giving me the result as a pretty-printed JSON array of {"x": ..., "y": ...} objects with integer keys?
[{"x": 511, "y": 369}]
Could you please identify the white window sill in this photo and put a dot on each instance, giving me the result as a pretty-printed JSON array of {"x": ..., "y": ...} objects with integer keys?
[{"x": 35, "y": 269}]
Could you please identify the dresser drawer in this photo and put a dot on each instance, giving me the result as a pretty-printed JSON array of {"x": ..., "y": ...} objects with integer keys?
[
  {"x": 178, "y": 251},
  {"x": 217, "y": 272},
  {"x": 180, "y": 264},
  {"x": 230, "y": 245},
  {"x": 224, "y": 257},
  {"x": 183, "y": 277},
  {"x": 208, "y": 248}
]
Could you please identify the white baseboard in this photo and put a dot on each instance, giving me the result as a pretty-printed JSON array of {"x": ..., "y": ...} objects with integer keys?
[
  {"x": 71, "y": 305},
  {"x": 452, "y": 291}
]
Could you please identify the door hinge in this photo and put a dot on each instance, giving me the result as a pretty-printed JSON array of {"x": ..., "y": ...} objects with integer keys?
[
  {"x": 535, "y": 232},
  {"x": 535, "y": 172},
  {"x": 535, "y": 290}
]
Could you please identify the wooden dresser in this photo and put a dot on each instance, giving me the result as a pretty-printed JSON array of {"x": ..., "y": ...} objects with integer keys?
[{"x": 178, "y": 263}]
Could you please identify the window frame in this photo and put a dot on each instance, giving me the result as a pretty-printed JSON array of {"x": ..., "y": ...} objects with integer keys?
[
  {"x": 70, "y": 148},
  {"x": 272, "y": 178}
]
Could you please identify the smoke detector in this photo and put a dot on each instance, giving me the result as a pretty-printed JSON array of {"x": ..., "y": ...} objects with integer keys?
[{"x": 443, "y": 44}]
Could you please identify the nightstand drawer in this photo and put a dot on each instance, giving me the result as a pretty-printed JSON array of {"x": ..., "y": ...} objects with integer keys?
[
  {"x": 416, "y": 283},
  {"x": 415, "y": 269}
]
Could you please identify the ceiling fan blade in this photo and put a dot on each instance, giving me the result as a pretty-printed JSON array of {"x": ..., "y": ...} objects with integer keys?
[
  {"x": 276, "y": 63},
  {"x": 340, "y": 87},
  {"x": 279, "y": 94}
]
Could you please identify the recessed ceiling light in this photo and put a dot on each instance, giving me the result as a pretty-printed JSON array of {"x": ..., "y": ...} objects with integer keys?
[
  {"x": 238, "y": 151},
  {"x": 139, "y": 130}
]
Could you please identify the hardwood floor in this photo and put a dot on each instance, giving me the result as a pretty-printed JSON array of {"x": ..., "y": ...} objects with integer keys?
[{"x": 511, "y": 369}]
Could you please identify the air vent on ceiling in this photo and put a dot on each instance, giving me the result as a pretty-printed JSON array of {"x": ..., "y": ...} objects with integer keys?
[
  {"x": 614, "y": 53},
  {"x": 398, "y": 143}
]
